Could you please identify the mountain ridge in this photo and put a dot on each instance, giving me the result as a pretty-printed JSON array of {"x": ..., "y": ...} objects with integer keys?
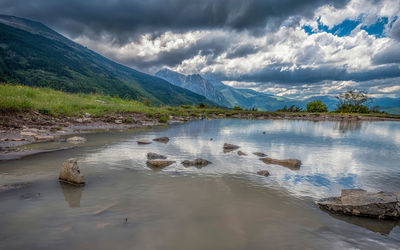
[{"x": 35, "y": 55}]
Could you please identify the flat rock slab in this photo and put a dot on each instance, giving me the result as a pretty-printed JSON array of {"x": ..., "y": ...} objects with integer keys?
[
  {"x": 358, "y": 202},
  {"x": 155, "y": 156},
  {"x": 162, "y": 139},
  {"x": 263, "y": 173},
  {"x": 158, "y": 164},
  {"x": 70, "y": 172},
  {"x": 198, "y": 163},
  {"x": 76, "y": 140},
  {"x": 259, "y": 154},
  {"x": 293, "y": 164},
  {"x": 142, "y": 141}
]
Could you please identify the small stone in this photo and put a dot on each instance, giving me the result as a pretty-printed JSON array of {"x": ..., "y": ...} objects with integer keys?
[
  {"x": 154, "y": 156},
  {"x": 263, "y": 173},
  {"x": 240, "y": 153},
  {"x": 44, "y": 137},
  {"x": 118, "y": 121},
  {"x": 76, "y": 140},
  {"x": 143, "y": 141},
  {"x": 162, "y": 139},
  {"x": 229, "y": 147},
  {"x": 27, "y": 134},
  {"x": 70, "y": 172},
  {"x": 199, "y": 163},
  {"x": 18, "y": 139},
  {"x": 158, "y": 164},
  {"x": 259, "y": 154}
]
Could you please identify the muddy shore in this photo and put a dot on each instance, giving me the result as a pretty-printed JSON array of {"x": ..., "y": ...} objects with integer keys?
[{"x": 18, "y": 129}]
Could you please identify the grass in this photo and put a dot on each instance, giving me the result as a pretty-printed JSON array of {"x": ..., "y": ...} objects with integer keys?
[{"x": 52, "y": 102}]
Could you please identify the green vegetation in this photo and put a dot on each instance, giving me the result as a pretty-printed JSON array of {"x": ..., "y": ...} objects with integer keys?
[
  {"x": 51, "y": 60},
  {"x": 291, "y": 109},
  {"x": 316, "y": 106},
  {"x": 355, "y": 101}
]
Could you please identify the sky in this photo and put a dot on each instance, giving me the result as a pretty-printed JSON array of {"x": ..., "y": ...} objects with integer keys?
[{"x": 289, "y": 48}]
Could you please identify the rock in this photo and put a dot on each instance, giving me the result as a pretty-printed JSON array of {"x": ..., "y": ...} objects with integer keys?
[
  {"x": 118, "y": 121},
  {"x": 264, "y": 133},
  {"x": 27, "y": 134},
  {"x": 158, "y": 164},
  {"x": 142, "y": 141},
  {"x": 229, "y": 147},
  {"x": 259, "y": 154},
  {"x": 18, "y": 139},
  {"x": 358, "y": 202},
  {"x": 162, "y": 139},
  {"x": 293, "y": 164},
  {"x": 263, "y": 173},
  {"x": 76, "y": 140},
  {"x": 44, "y": 137},
  {"x": 14, "y": 186},
  {"x": 198, "y": 163},
  {"x": 241, "y": 153},
  {"x": 70, "y": 172},
  {"x": 154, "y": 156}
]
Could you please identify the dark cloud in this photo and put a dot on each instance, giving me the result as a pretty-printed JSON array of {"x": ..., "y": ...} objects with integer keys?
[
  {"x": 124, "y": 19},
  {"x": 387, "y": 56},
  {"x": 241, "y": 51},
  {"x": 395, "y": 30},
  {"x": 319, "y": 74}
]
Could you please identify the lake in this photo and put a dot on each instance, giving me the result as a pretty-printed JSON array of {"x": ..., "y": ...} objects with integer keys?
[{"x": 225, "y": 205}]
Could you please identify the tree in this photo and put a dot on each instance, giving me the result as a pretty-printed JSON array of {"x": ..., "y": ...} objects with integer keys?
[
  {"x": 316, "y": 106},
  {"x": 353, "y": 101}
]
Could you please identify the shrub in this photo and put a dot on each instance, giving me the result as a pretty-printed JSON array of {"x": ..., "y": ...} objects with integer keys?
[
  {"x": 163, "y": 119},
  {"x": 202, "y": 105},
  {"x": 237, "y": 108},
  {"x": 316, "y": 106}
]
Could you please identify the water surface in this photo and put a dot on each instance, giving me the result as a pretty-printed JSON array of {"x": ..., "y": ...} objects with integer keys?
[{"x": 223, "y": 205}]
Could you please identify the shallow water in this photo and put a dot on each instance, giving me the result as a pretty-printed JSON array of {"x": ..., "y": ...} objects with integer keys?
[{"x": 223, "y": 205}]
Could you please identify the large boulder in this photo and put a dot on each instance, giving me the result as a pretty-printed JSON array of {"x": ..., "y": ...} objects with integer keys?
[
  {"x": 158, "y": 164},
  {"x": 70, "y": 172},
  {"x": 155, "y": 156},
  {"x": 162, "y": 139},
  {"x": 358, "y": 202},
  {"x": 293, "y": 164},
  {"x": 198, "y": 163}
]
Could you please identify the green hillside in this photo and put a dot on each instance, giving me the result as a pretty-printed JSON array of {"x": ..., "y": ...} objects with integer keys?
[{"x": 34, "y": 55}]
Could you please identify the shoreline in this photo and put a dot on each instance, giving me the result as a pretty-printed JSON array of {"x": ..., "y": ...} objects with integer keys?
[{"x": 20, "y": 129}]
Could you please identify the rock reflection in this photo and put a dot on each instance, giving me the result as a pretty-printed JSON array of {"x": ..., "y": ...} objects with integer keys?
[
  {"x": 72, "y": 194},
  {"x": 346, "y": 126},
  {"x": 374, "y": 225}
]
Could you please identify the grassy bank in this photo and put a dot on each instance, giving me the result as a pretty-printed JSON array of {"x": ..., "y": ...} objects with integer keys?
[
  {"x": 48, "y": 101},
  {"x": 19, "y": 98}
]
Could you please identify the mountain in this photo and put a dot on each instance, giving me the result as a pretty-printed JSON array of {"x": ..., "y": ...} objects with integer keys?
[
  {"x": 194, "y": 83},
  {"x": 33, "y": 54},
  {"x": 225, "y": 95},
  {"x": 248, "y": 98}
]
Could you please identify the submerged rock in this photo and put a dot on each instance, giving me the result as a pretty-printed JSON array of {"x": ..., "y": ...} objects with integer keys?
[
  {"x": 358, "y": 202},
  {"x": 241, "y": 153},
  {"x": 154, "y": 156},
  {"x": 263, "y": 173},
  {"x": 143, "y": 141},
  {"x": 70, "y": 172},
  {"x": 259, "y": 154},
  {"x": 198, "y": 163},
  {"x": 162, "y": 139},
  {"x": 158, "y": 164},
  {"x": 229, "y": 147},
  {"x": 76, "y": 140},
  {"x": 293, "y": 164},
  {"x": 44, "y": 137},
  {"x": 13, "y": 186}
]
